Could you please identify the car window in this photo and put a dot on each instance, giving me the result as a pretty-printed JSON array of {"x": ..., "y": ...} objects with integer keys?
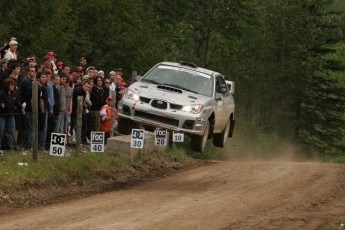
[
  {"x": 221, "y": 87},
  {"x": 182, "y": 78}
]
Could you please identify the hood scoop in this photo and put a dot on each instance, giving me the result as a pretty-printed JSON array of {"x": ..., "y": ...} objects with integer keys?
[
  {"x": 144, "y": 86},
  {"x": 169, "y": 89}
]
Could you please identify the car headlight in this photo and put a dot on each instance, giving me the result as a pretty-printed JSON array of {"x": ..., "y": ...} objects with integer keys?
[
  {"x": 131, "y": 95},
  {"x": 193, "y": 108}
]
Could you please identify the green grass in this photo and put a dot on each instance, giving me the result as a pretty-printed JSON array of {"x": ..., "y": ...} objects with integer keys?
[{"x": 51, "y": 170}]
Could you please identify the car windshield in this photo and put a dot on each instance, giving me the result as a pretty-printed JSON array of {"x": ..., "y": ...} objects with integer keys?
[{"x": 182, "y": 78}]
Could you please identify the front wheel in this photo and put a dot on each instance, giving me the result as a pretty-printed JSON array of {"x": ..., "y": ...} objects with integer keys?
[
  {"x": 125, "y": 126},
  {"x": 199, "y": 142},
  {"x": 220, "y": 139}
]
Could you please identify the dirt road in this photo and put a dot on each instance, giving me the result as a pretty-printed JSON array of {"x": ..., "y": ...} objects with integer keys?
[{"x": 223, "y": 195}]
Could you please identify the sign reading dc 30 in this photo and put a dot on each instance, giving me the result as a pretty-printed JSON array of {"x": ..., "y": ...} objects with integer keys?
[
  {"x": 137, "y": 139},
  {"x": 97, "y": 142},
  {"x": 57, "y": 144}
]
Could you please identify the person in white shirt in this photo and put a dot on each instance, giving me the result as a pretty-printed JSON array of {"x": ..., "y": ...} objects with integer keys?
[{"x": 12, "y": 52}]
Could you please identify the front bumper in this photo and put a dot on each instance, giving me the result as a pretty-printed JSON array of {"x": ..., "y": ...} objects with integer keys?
[{"x": 170, "y": 119}]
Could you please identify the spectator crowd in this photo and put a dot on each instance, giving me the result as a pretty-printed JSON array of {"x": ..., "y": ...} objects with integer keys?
[{"x": 59, "y": 86}]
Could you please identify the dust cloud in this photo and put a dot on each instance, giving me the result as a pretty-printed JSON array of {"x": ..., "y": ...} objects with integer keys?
[{"x": 243, "y": 149}]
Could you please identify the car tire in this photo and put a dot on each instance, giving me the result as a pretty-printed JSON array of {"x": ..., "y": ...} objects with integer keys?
[
  {"x": 199, "y": 141},
  {"x": 125, "y": 126},
  {"x": 220, "y": 139}
]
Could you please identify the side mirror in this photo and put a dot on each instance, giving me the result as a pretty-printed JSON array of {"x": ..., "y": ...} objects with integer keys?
[
  {"x": 138, "y": 77},
  {"x": 231, "y": 86}
]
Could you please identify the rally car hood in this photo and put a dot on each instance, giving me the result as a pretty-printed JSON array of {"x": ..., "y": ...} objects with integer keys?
[{"x": 168, "y": 93}]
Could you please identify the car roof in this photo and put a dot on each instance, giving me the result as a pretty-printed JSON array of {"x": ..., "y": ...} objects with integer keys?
[{"x": 190, "y": 66}]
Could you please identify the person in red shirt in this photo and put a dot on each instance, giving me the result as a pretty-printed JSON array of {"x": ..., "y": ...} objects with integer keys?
[{"x": 105, "y": 116}]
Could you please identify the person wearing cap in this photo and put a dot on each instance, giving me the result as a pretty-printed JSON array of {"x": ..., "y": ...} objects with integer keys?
[
  {"x": 112, "y": 86},
  {"x": 12, "y": 52},
  {"x": 105, "y": 116},
  {"x": 101, "y": 74},
  {"x": 59, "y": 66},
  {"x": 91, "y": 72}
]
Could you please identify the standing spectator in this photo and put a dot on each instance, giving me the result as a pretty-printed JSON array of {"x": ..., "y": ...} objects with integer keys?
[
  {"x": 15, "y": 69},
  {"x": 8, "y": 107},
  {"x": 84, "y": 91},
  {"x": 3, "y": 65},
  {"x": 91, "y": 71},
  {"x": 115, "y": 86},
  {"x": 105, "y": 116},
  {"x": 49, "y": 121},
  {"x": 77, "y": 82},
  {"x": 59, "y": 103},
  {"x": 65, "y": 121},
  {"x": 59, "y": 66},
  {"x": 106, "y": 86},
  {"x": 83, "y": 63},
  {"x": 98, "y": 97},
  {"x": 12, "y": 53},
  {"x": 75, "y": 73},
  {"x": 34, "y": 59},
  {"x": 42, "y": 108},
  {"x": 25, "y": 95},
  {"x": 67, "y": 70},
  {"x": 101, "y": 74},
  {"x": 119, "y": 71}
]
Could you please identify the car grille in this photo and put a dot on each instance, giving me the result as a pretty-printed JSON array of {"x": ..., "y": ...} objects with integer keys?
[
  {"x": 157, "y": 118},
  {"x": 159, "y": 104}
]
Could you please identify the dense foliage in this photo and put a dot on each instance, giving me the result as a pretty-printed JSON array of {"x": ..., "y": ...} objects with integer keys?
[{"x": 287, "y": 57}]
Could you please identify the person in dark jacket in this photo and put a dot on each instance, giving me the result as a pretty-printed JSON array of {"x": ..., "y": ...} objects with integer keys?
[
  {"x": 83, "y": 91},
  {"x": 9, "y": 105}
]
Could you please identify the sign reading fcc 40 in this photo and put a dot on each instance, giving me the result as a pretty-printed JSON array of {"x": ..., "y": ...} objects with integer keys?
[{"x": 97, "y": 142}]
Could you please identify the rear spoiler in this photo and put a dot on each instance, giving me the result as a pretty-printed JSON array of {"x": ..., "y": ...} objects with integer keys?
[{"x": 231, "y": 86}]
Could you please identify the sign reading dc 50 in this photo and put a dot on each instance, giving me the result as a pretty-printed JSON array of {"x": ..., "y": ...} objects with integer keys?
[{"x": 57, "y": 144}]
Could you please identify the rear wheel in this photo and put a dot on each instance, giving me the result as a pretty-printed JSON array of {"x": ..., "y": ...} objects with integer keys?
[
  {"x": 220, "y": 139},
  {"x": 125, "y": 126},
  {"x": 199, "y": 142}
]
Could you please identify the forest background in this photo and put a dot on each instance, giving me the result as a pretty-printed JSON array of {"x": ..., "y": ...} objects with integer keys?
[{"x": 287, "y": 57}]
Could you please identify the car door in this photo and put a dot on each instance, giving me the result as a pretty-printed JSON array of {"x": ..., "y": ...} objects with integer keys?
[{"x": 223, "y": 104}]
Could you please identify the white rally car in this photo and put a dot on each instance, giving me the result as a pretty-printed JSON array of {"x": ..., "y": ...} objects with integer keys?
[{"x": 184, "y": 98}]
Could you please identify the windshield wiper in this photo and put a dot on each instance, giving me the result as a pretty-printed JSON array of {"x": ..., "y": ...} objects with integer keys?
[
  {"x": 180, "y": 87},
  {"x": 150, "y": 81}
]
